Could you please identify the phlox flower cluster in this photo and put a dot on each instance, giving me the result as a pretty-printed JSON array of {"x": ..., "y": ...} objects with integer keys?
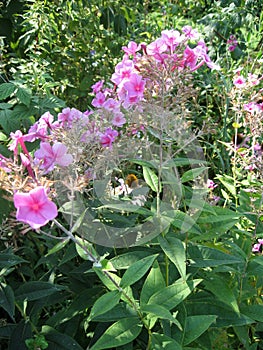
[
  {"x": 232, "y": 43},
  {"x": 146, "y": 74}
]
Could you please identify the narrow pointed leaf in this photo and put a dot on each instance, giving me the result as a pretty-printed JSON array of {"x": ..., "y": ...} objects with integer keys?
[
  {"x": 175, "y": 251},
  {"x": 151, "y": 179},
  {"x": 197, "y": 325},
  {"x": 120, "y": 333},
  {"x": 137, "y": 270},
  {"x": 105, "y": 303},
  {"x": 174, "y": 294},
  {"x": 153, "y": 283},
  {"x": 163, "y": 342}
]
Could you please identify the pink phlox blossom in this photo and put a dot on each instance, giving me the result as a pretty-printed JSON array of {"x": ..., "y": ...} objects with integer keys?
[
  {"x": 53, "y": 155},
  {"x": 256, "y": 247},
  {"x": 108, "y": 137},
  {"x": 123, "y": 72},
  {"x": 190, "y": 58},
  {"x": 130, "y": 101},
  {"x": 99, "y": 99},
  {"x": 156, "y": 48},
  {"x": 232, "y": 43},
  {"x": 239, "y": 82},
  {"x": 18, "y": 139},
  {"x": 34, "y": 208},
  {"x": 253, "y": 79},
  {"x": 97, "y": 87},
  {"x": 111, "y": 104},
  {"x": 211, "y": 184},
  {"x": 39, "y": 130},
  {"x": 190, "y": 33},
  {"x": 68, "y": 115},
  {"x": 171, "y": 38},
  {"x": 131, "y": 49},
  {"x": 135, "y": 86},
  {"x": 252, "y": 107},
  {"x": 118, "y": 119}
]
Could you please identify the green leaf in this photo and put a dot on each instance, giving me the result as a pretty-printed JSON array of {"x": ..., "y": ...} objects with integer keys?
[
  {"x": 202, "y": 256},
  {"x": 79, "y": 221},
  {"x": 123, "y": 261},
  {"x": 222, "y": 291},
  {"x": 163, "y": 342},
  {"x": 120, "y": 333},
  {"x": 6, "y": 89},
  {"x": 137, "y": 270},
  {"x": 161, "y": 312},
  {"x": 228, "y": 182},
  {"x": 59, "y": 341},
  {"x": 105, "y": 303},
  {"x": 151, "y": 179},
  {"x": 192, "y": 174},
  {"x": 35, "y": 290},
  {"x": 153, "y": 283},
  {"x": 108, "y": 282},
  {"x": 83, "y": 247},
  {"x": 24, "y": 95},
  {"x": 197, "y": 325},
  {"x": 58, "y": 246},
  {"x": 175, "y": 250},
  {"x": 20, "y": 333},
  {"x": 7, "y": 300},
  {"x": 174, "y": 294},
  {"x": 255, "y": 312}
]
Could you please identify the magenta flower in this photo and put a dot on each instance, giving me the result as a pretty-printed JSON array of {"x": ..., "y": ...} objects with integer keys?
[
  {"x": 171, "y": 38},
  {"x": 98, "y": 100},
  {"x": 232, "y": 43},
  {"x": 135, "y": 86},
  {"x": 131, "y": 49},
  {"x": 97, "y": 86},
  {"x": 156, "y": 48},
  {"x": 256, "y": 247},
  {"x": 53, "y": 155},
  {"x": 110, "y": 104},
  {"x": 239, "y": 82},
  {"x": 34, "y": 208},
  {"x": 211, "y": 184},
  {"x": 123, "y": 72},
  {"x": 118, "y": 119},
  {"x": 252, "y": 107},
  {"x": 190, "y": 33},
  {"x": 68, "y": 115},
  {"x": 108, "y": 137}
]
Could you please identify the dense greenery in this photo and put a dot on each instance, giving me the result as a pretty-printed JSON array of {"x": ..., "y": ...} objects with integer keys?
[{"x": 196, "y": 285}]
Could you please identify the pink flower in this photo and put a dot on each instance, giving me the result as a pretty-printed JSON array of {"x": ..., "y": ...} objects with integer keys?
[
  {"x": 156, "y": 48},
  {"x": 118, "y": 119},
  {"x": 190, "y": 33},
  {"x": 252, "y": 107},
  {"x": 239, "y": 82},
  {"x": 135, "y": 86},
  {"x": 108, "y": 137},
  {"x": 34, "y": 208},
  {"x": 18, "y": 139},
  {"x": 211, "y": 184},
  {"x": 69, "y": 115},
  {"x": 123, "y": 72},
  {"x": 97, "y": 86},
  {"x": 232, "y": 42},
  {"x": 131, "y": 49},
  {"x": 53, "y": 155},
  {"x": 98, "y": 100},
  {"x": 171, "y": 38},
  {"x": 256, "y": 247},
  {"x": 110, "y": 104}
]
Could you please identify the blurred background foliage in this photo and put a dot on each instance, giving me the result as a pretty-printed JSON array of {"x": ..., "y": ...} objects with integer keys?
[{"x": 51, "y": 52}]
